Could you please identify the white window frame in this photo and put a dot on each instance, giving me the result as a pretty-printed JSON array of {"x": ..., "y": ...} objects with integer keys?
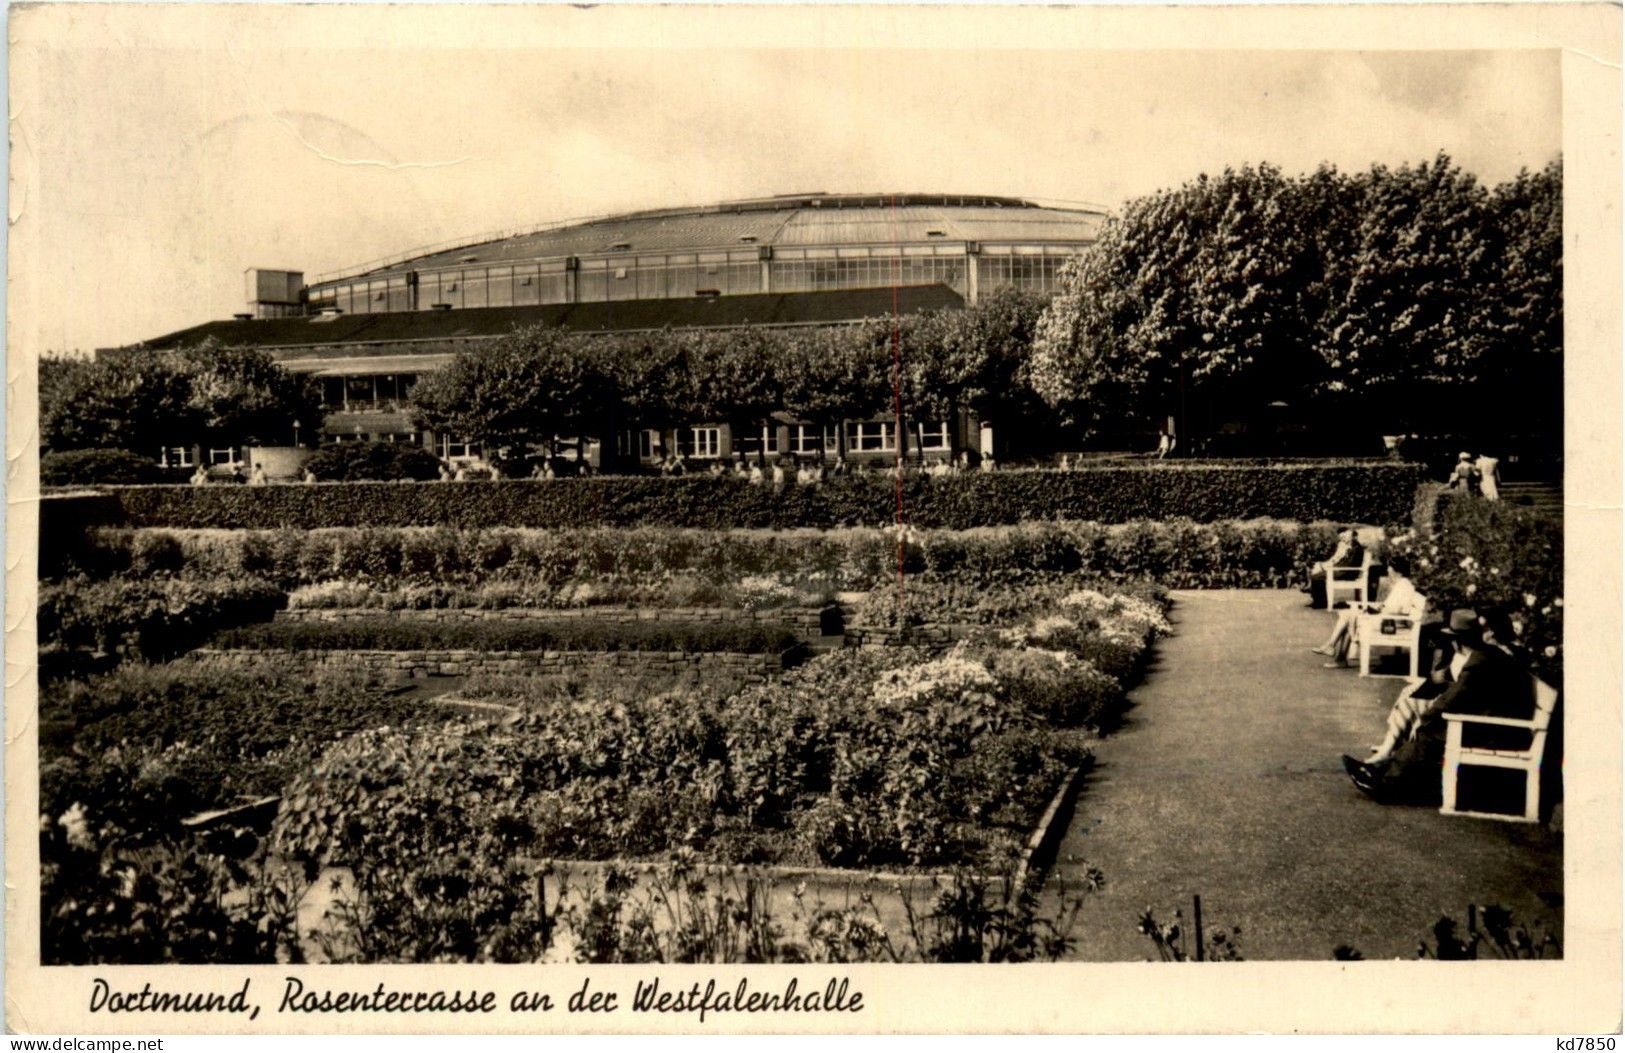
[
  {"x": 705, "y": 442},
  {"x": 176, "y": 457},
  {"x": 459, "y": 449},
  {"x": 805, "y": 439},
  {"x": 934, "y": 435},
  {"x": 231, "y": 458},
  {"x": 860, "y": 432}
]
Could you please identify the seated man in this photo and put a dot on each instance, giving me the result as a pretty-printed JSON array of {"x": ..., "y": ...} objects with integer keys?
[
  {"x": 1349, "y": 553},
  {"x": 1479, "y": 679}
]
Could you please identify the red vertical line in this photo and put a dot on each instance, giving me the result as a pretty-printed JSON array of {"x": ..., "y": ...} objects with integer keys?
[{"x": 897, "y": 401}]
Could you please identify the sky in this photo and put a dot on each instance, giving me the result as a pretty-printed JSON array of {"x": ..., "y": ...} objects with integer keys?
[{"x": 160, "y": 163}]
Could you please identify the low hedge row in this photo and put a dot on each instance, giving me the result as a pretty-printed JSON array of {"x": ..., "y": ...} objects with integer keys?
[
  {"x": 581, "y": 567},
  {"x": 155, "y": 619},
  {"x": 1372, "y": 493},
  {"x": 586, "y": 634}
]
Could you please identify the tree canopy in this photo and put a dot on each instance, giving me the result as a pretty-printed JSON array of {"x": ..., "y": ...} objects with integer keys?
[
  {"x": 143, "y": 401},
  {"x": 1386, "y": 296}
]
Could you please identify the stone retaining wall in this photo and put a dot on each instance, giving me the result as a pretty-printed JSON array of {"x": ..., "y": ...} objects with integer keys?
[
  {"x": 680, "y": 666},
  {"x": 935, "y": 637},
  {"x": 808, "y": 622}
]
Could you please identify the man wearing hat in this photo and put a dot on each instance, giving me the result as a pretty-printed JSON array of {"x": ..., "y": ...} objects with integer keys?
[{"x": 1480, "y": 679}]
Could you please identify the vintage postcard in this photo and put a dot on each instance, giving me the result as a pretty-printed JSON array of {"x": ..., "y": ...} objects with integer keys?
[{"x": 851, "y": 519}]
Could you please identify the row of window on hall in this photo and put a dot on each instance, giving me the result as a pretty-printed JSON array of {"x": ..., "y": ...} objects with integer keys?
[
  {"x": 802, "y": 440},
  {"x": 373, "y": 391},
  {"x": 1034, "y": 268}
]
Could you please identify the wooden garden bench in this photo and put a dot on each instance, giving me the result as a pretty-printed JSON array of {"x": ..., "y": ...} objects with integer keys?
[
  {"x": 1479, "y": 741},
  {"x": 1351, "y": 584}
]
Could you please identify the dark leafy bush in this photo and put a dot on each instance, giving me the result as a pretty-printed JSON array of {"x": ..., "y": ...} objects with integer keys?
[
  {"x": 1496, "y": 557},
  {"x": 154, "y": 619},
  {"x": 584, "y": 634},
  {"x": 94, "y": 467},
  {"x": 1372, "y": 493},
  {"x": 214, "y": 731},
  {"x": 380, "y": 461},
  {"x": 125, "y": 757}
]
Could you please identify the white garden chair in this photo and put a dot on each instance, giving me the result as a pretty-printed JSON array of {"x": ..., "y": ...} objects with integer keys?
[{"x": 1459, "y": 754}]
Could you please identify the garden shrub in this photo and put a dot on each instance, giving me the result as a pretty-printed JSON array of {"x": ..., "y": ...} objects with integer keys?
[
  {"x": 1496, "y": 557},
  {"x": 584, "y": 634},
  {"x": 125, "y": 757},
  {"x": 1372, "y": 493},
  {"x": 97, "y": 467},
  {"x": 380, "y": 461},
  {"x": 155, "y": 619}
]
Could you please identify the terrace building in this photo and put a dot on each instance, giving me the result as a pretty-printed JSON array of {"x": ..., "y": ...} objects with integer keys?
[{"x": 368, "y": 332}]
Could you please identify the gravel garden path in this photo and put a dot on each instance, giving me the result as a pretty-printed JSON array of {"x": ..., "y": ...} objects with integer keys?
[{"x": 1223, "y": 781}]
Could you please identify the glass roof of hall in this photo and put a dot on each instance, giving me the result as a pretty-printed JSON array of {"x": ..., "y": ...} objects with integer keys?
[{"x": 833, "y": 221}]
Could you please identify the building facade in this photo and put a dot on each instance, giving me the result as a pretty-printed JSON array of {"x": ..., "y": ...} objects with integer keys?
[{"x": 366, "y": 334}]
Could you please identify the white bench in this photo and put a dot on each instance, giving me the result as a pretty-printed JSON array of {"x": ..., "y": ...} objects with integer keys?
[
  {"x": 1352, "y": 584},
  {"x": 1458, "y": 755},
  {"x": 1396, "y": 632}
]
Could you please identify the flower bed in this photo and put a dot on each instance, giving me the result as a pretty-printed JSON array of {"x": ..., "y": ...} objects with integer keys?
[
  {"x": 1377, "y": 492},
  {"x": 147, "y": 745},
  {"x": 709, "y": 671},
  {"x": 858, "y": 758},
  {"x": 584, "y": 634}
]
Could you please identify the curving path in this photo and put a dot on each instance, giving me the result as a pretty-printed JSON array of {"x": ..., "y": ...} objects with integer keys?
[{"x": 1224, "y": 781}]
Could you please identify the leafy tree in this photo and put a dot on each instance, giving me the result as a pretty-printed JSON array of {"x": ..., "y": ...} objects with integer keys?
[
  {"x": 139, "y": 402},
  {"x": 1520, "y": 375},
  {"x": 1196, "y": 293},
  {"x": 518, "y": 392},
  {"x": 240, "y": 396},
  {"x": 1405, "y": 317},
  {"x": 1368, "y": 303},
  {"x": 836, "y": 374}
]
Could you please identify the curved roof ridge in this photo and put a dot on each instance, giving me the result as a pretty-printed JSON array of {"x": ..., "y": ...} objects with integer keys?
[{"x": 791, "y": 205}]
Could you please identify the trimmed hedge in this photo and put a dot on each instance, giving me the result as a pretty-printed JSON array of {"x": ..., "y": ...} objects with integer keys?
[
  {"x": 1370, "y": 493},
  {"x": 91, "y": 467},
  {"x": 587, "y": 634}
]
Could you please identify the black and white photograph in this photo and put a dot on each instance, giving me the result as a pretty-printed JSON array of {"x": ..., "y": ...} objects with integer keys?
[{"x": 779, "y": 495}]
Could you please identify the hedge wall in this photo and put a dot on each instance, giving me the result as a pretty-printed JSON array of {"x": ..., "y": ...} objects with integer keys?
[{"x": 1372, "y": 493}]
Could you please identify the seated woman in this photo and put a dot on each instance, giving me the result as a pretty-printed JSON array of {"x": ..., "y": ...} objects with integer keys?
[
  {"x": 1349, "y": 553},
  {"x": 1399, "y": 598}
]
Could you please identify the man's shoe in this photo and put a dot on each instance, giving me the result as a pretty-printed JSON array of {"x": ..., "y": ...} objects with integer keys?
[{"x": 1364, "y": 776}]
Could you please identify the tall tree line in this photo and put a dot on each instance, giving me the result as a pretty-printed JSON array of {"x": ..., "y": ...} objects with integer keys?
[{"x": 1396, "y": 300}]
